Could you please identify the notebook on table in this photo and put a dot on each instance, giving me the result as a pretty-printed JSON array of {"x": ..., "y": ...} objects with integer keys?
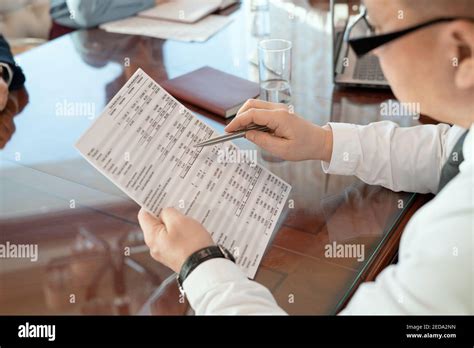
[{"x": 213, "y": 90}]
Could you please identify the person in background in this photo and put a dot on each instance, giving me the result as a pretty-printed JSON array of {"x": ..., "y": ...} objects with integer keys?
[
  {"x": 11, "y": 78},
  {"x": 69, "y": 15},
  {"x": 25, "y": 19},
  {"x": 428, "y": 58},
  {"x": 11, "y": 75}
]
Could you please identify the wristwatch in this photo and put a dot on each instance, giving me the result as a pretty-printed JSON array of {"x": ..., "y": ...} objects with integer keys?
[{"x": 198, "y": 257}]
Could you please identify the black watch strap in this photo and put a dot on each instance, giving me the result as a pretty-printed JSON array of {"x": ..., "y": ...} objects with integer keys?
[{"x": 198, "y": 257}]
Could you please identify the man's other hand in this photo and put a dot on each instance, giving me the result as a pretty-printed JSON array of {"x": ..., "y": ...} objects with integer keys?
[
  {"x": 292, "y": 137},
  {"x": 173, "y": 237}
]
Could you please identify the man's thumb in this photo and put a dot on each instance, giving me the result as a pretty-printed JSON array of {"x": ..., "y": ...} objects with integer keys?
[
  {"x": 170, "y": 215},
  {"x": 147, "y": 220}
]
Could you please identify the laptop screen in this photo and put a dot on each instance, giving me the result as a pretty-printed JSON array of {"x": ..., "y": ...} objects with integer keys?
[
  {"x": 342, "y": 12},
  {"x": 339, "y": 18}
]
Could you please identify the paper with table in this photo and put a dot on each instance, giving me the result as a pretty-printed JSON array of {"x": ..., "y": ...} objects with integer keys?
[
  {"x": 187, "y": 11},
  {"x": 161, "y": 29},
  {"x": 144, "y": 143}
]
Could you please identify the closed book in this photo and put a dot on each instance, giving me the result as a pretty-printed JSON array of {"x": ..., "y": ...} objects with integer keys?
[{"x": 212, "y": 90}]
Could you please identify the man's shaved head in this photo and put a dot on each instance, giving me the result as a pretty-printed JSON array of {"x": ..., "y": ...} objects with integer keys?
[
  {"x": 426, "y": 9},
  {"x": 416, "y": 11},
  {"x": 433, "y": 66}
]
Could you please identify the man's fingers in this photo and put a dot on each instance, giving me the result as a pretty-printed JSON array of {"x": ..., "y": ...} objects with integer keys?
[
  {"x": 151, "y": 225},
  {"x": 266, "y": 141},
  {"x": 253, "y": 104},
  {"x": 258, "y": 116},
  {"x": 259, "y": 104},
  {"x": 148, "y": 219}
]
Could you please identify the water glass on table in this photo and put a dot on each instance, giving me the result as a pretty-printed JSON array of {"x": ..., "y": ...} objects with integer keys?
[{"x": 274, "y": 65}]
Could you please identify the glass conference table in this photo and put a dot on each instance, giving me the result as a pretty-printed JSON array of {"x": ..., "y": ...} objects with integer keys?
[{"x": 91, "y": 255}]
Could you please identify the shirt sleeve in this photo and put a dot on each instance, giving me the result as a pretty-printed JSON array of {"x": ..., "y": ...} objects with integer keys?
[
  {"x": 90, "y": 13},
  {"x": 399, "y": 158},
  {"x": 434, "y": 274},
  {"x": 219, "y": 287}
]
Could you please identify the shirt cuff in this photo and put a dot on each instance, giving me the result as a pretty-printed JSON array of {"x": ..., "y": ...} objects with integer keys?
[
  {"x": 346, "y": 150},
  {"x": 207, "y": 275},
  {"x": 8, "y": 71}
]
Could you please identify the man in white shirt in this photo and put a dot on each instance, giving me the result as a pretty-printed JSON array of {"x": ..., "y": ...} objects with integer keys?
[{"x": 431, "y": 64}]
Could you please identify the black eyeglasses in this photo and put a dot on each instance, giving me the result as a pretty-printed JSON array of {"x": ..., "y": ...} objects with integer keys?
[{"x": 363, "y": 45}]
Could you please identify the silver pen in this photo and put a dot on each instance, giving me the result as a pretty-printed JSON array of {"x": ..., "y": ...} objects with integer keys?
[{"x": 234, "y": 135}]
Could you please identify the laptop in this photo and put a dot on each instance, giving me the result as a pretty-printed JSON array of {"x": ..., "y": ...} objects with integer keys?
[{"x": 349, "y": 70}]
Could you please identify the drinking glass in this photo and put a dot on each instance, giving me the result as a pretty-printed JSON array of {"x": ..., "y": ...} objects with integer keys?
[{"x": 274, "y": 65}]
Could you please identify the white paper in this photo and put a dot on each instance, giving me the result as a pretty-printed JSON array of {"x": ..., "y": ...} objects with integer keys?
[
  {"x": 199, "y": 31},
  {"x": 143, "y": 142},
  {"x": 187, "y": 11}
]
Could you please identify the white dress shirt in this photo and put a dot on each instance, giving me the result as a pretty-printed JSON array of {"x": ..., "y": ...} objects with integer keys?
[{"x": 435, "y": 271}]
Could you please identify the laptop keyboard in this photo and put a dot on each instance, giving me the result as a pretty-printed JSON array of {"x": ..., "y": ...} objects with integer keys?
[{"x": 368, "y": 68}]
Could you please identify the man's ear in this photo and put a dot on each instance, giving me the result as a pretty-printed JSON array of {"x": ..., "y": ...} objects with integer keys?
[
  {"x": 462, "y": 35},
  {"x": 464, "y": 78}
]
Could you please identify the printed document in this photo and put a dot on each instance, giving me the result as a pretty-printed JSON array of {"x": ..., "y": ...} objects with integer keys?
[
  {"x": 161, "y": 29},
  {"x": 144, "y": 143}
]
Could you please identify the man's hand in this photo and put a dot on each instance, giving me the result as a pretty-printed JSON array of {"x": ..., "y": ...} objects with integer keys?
[
  {"x": 3, "y": 93},
  {"x": 293, "y": 138},
  {"x": 173, "y": 237}
]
